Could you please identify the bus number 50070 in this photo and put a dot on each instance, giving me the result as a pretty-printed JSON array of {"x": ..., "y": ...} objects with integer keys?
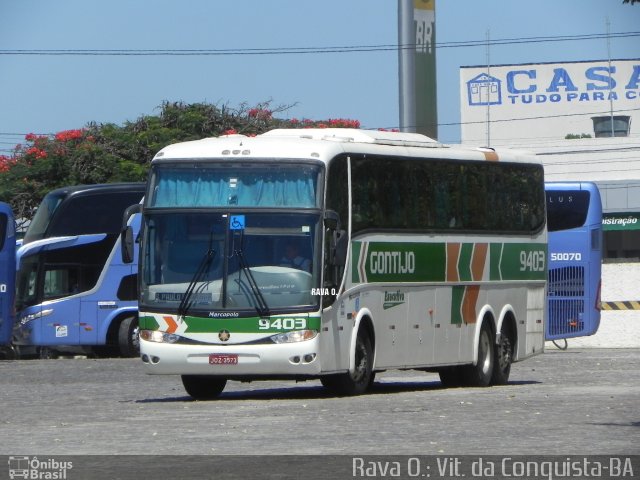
[{"x": 565, "y": 256}]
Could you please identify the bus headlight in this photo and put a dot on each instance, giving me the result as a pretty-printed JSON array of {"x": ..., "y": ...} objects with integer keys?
[
  {"x": 159, "y": 337},
  {"x": 294, "y": 336}
]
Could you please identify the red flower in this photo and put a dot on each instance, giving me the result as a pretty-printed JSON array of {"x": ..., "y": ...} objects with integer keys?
[
  {"x": 36, "y": 152},
  {"x": 32, "y": 137},
  {"x": 260, "y": 113},
  {"x": 231, "y": 131},
  {"x": 67, "y": 135},
  {"x": 6, "y": 163}
]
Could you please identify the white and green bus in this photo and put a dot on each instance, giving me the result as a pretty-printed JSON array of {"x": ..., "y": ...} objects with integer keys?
[{"x": 334, "y": 254}]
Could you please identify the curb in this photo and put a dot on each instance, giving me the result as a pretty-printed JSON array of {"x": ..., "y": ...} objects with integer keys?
[{"x": 621, "y": 305}]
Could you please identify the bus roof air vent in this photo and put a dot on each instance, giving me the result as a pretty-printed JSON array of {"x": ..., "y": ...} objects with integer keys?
[{"x": 352, "y": 135}]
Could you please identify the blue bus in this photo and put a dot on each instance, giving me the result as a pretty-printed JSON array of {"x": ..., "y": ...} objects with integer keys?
[
  {"x": 7, "y": 271},
  {"x": 574, "y": 222},
  {"x": 73, "y": 292}
]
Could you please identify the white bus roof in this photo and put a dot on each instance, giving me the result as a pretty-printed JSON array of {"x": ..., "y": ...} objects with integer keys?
[{"x": 325, "y": 143}]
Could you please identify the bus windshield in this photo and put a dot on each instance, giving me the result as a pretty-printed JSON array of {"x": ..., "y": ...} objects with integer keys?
[
  {"x": 218, "y": 184},
  {"x": 61, "y": 214},
  {"x": 44, "y": 214},
  {"x": 215, "y": 263},
  {"x": 566, "y": 209}
]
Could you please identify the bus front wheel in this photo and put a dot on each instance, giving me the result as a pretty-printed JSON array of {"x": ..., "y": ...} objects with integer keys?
[
  {"x": 203, "y": 387},
  {"x": 358, "y": 382},
  {"x": 128, "y": 337}
]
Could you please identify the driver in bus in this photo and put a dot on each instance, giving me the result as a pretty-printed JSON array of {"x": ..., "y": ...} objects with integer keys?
[{"x": 293, "y": 259}]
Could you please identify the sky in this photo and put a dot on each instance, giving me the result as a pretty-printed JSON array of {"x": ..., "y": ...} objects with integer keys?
[{"x": 44, "y": 93}]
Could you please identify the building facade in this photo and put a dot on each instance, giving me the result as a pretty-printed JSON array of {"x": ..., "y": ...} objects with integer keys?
[{"x": 581, "y": 118}]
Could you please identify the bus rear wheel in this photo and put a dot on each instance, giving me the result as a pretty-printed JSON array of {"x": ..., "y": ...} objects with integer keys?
[
  {"x": 204, "y": 387},
  {"x": 503, "y": 359},
  {"x": 358, "y": 382},
  {"x": 479, "y": 375}
]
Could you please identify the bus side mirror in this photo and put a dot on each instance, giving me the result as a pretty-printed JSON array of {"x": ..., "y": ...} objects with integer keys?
[
  {"x": 126, "y": 233},
  {"x": 339, "y": 241},
  {"x": 331, "y": 220},
  {"x": 340, "y": 251},
  {"x": 126, "y": 238}
]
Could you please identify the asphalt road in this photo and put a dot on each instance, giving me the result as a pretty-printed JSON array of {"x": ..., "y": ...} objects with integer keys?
[{"x": 572, "y": 402}]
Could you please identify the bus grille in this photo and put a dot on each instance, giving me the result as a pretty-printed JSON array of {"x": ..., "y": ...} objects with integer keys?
[{"x": 566, "y": 301}]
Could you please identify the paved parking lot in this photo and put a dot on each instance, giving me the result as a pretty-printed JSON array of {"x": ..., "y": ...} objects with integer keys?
[{"x": 563, "y": 402}]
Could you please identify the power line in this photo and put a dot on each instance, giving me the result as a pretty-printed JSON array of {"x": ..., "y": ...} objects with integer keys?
[
  {"x": 515, "y": 119},
  {"x": 310, "y": 50}
]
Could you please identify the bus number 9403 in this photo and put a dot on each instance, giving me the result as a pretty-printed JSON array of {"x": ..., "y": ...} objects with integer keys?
[
  {"x": 532, "y": 261},
  {"x": 298, "y": 323}
]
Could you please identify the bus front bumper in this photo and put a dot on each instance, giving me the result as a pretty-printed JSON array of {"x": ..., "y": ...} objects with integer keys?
[{"x": 272, "y": 360}]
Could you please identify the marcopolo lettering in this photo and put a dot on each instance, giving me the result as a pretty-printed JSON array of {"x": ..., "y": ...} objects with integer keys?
[{"x": 392, "y": 262}]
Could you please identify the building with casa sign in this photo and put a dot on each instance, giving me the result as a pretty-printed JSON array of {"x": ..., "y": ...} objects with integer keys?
[{"x": 581, "y": 118}]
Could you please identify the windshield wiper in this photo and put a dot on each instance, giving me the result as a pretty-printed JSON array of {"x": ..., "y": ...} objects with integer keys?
[
  {"x": 260, "y": 303},
  {"x": 205, "y": 265}
]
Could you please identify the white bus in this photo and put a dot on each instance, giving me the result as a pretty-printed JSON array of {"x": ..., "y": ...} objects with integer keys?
[{"x": 336, "y": 254}]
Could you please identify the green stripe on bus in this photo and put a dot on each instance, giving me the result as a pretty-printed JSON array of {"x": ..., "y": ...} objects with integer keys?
[
  {"x": 147, "y": 322},
  {"x": 426, "y": 262},
  {"x": 355, "y": 254},
  {"x": 523, "y": 261},
  {"x": 457, "y": 295},
  {"x": 277, "y": 323},
  {"x": 495, "y": 254},
  {"x": 402, "y": 262},
  {"x": 464, "y": 262}
]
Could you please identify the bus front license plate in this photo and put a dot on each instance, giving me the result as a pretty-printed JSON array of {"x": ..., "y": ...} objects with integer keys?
[{"x": 223, "y": 359}]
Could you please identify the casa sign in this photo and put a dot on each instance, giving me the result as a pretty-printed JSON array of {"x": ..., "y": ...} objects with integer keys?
[{"x": 571, "y": 83}]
